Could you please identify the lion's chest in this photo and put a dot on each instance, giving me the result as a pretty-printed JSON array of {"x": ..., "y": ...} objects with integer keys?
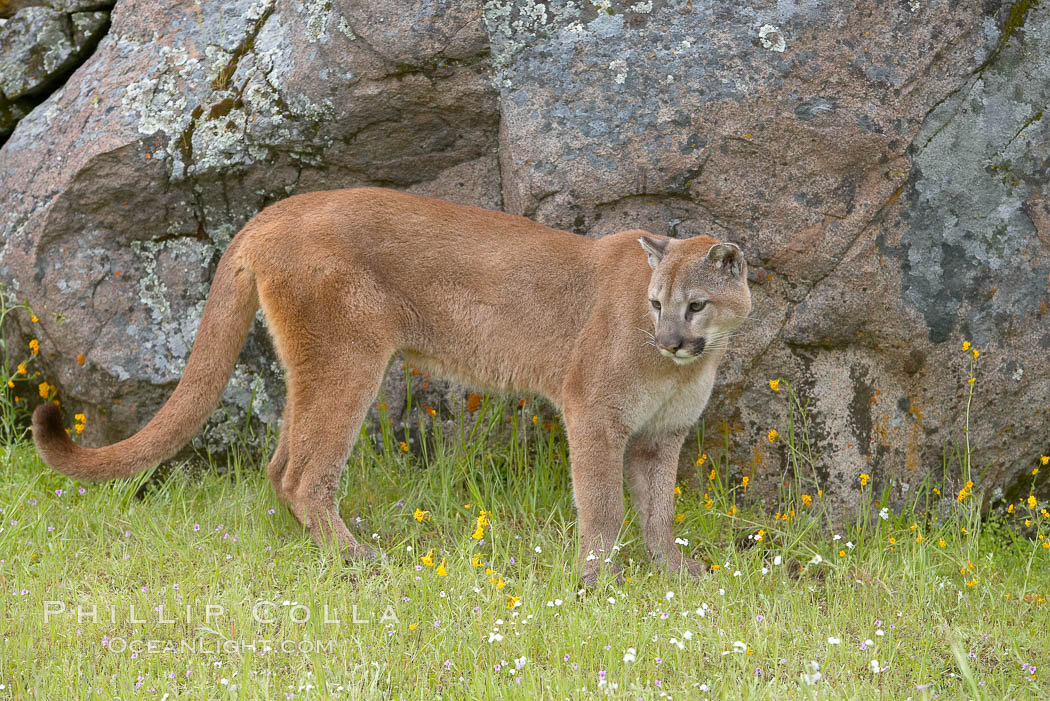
[{"x": 674, "y": 404}]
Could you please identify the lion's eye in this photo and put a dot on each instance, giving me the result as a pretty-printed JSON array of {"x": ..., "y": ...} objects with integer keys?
[
  {"x": 656, "y": 305},
  {"x": 697, "y": 306}
]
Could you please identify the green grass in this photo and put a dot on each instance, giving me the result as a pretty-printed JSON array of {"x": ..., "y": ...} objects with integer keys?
[
  {"x": 748, "y": 630},
  {"x": 194, "y": 584}
]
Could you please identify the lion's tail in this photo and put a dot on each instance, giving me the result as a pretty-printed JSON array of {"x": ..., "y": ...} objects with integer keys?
[{"x": 224, "y": 327}]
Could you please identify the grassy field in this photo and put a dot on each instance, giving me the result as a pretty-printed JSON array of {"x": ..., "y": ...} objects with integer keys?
[
  {"x": 200, "y": 584},
  {"x": 196, "y": 584}
]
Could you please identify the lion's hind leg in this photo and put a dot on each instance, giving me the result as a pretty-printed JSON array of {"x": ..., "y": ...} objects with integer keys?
[
  {"x": 328, "y": 408},
  {"x": 279, "y": 461}
]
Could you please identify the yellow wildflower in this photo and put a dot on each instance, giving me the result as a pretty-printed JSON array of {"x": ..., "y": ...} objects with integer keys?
[
  {"x": 45, "y": 389},
  {"x": 807, "y": 500},
  {"x": 512, "y": 601},
  {"x": 34, "y": 346},
  {"x": 772, "y": 435},
  {"x": 679, "y": 518},
  {"x": 441, "y": 571},
  {"x": 892, "y": 540},
  {"x": 478, "y": 533},
  {"x": 1027, "y": 523},
  {"x": 972, "y": 380},
  {"x": 34, "y": 318},
  {"x": 1046, "y": 544},
  {"x": 1044, "y": 459},
  {"x": 1031, "y": 501},
  {"x": 733, "y": 510},
  {"x": 404, "y": 446},
  {"x": 483, "y": 518},
  {"x": 535, "y": 420},
  {"x": 1010, "y": 509},
  {"x": 701, "y": 459},
  {"x": 500, "y": 584},
  {"x": 1035, "y": 472},
  {"x": 864, "y": 479},
  {"x": 966, "y": 345},
  {"x": 774, "y": 385},
  {"x": 745, "y": 481},
  {"x": 476, "y": 560},
  {"x": 711, "y": 475},
  {"x": 941, "y": 543},
  {"x": 677, "y": 490},
  {"x": 976, "y": 353},
  {"x": 21, "y": 368},
  {"x": 842, "y": 553},
  {"x": 972, "y": 582},
  {"x": 11, "y": 384},
  {"x": 413, "y": 626},
  {"x": 421, "y": 515},
  {"x": 428, "y": 559}
]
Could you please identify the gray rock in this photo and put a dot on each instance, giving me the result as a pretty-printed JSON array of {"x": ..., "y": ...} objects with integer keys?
[
  {"x": 829, "y": 140},
  {"x": 119, "y": 193},
  {"x": 38, "y": 46},
  {"x": 9, "y": 7},
  {"x": 883, "y": 166},
  {"x": 88, "y": 28}
]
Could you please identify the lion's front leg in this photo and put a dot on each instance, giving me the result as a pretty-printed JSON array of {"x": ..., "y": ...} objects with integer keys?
[
  {"x": 596, "y": 450},
  {"x": 651, "y": 466}
]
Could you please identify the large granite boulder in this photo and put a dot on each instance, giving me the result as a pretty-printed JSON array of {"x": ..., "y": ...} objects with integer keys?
[
  {"x": 121, "y": 191},
  {"x": 885, "y": 167}
]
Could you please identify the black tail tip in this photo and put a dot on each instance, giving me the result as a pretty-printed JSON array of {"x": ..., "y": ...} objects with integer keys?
[{"x": 47, "y": 422}]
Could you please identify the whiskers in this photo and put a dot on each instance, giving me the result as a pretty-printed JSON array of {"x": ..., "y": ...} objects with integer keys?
[
  {"x": 719, "y": 341},
  {"x": 650, "y": 339}
]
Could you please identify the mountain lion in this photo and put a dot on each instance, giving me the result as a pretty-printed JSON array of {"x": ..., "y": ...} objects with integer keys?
[{"x": 348, "y": 278}]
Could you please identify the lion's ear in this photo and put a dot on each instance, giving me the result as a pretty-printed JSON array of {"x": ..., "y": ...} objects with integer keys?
[
  {"x": 654, "y": 248},
  {"x": 728, "y": 256}
]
